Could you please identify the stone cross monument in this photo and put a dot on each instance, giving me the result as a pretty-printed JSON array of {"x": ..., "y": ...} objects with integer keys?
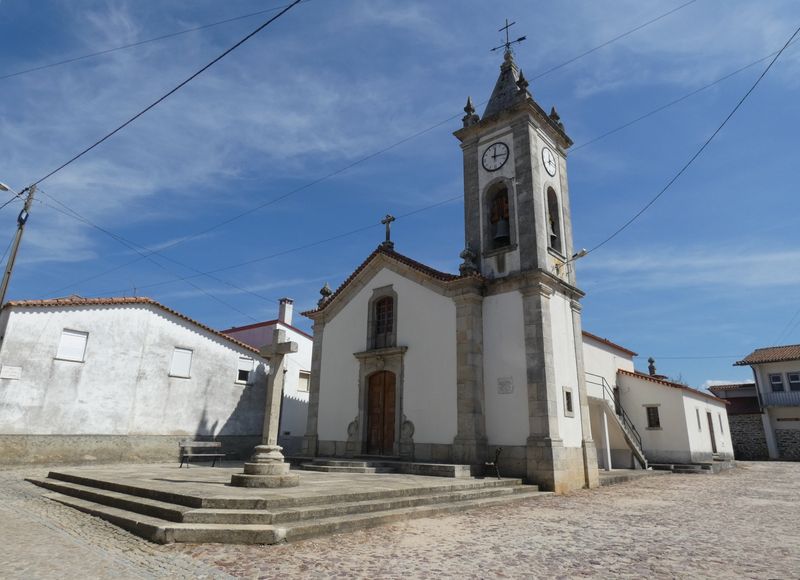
[{"x": 266, "y": 468}]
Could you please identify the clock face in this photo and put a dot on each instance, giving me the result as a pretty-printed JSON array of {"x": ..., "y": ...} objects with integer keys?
[
  {"x": 549, "y": 161},
  {"x": 495, "y": 156}
]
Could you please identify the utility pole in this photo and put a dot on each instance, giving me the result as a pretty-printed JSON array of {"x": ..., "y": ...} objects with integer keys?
[{"x": 21, "y": 219}]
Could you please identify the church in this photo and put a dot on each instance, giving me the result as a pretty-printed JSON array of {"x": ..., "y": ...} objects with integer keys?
[{"x": 425, "y": 365}]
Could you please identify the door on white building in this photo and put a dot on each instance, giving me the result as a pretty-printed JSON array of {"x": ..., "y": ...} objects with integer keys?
[
  {"x": 380, "y": 413},
  {"x": 711, "y": 433}
]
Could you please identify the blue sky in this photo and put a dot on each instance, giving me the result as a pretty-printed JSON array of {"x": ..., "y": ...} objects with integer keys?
[{"x": 710, "y": 270}]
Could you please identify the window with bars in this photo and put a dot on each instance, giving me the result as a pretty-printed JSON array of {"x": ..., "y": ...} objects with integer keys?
[{"x": 384, "y": 321}]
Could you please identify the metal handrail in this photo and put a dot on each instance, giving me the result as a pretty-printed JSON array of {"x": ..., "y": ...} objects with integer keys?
[{"x": 617, "y": 406}]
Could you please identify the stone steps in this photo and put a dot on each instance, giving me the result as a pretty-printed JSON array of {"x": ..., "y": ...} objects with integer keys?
[
  {"x": 344, "y": 468},
  {"x": 387, "y": 465},
  {"x": 147, "y": 512}
]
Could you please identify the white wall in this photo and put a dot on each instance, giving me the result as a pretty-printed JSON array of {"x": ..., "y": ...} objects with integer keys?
[
  {"x": 699, "y": 438},
  {"x": 566, "y": 370},
  {"x": 670, "y": 443},
  {"x": 123, "y": 387},
  {"x": 504, "y": 357},
  {"x": 601, "y": 359},
  {"x": 426, "y": 323}
]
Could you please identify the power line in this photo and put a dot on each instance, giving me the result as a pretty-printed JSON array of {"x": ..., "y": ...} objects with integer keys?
[
  {"x": 140, "y": 43},
  {"x": 168, "y": 94},
  {"x": 299, "y": 248},
  {"x": 134, "y": 247},
  {"x": 715, "y": 356},
  {"x": 8, "y": 201},
  {"x": 697, "y": 153},
  {"x": 360, "y": 160}
]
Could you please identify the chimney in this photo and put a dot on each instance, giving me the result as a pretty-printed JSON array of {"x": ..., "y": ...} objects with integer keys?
[{"x": 285, "y": 310}]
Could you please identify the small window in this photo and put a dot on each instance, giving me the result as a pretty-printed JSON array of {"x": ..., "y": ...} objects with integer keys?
[
  {"x": 569, "y": 409},
  {"x": 653, "y": 422},
  {"x": 303, "y": 382},
  {"x": 721, "y": 428},
  {"x": 181, "y": 363},
  {"x": 246, "y": 366},
  {"x": 776, "y": 382},
  {"x": 794, "y": 381},
  {"x": 699, "y": 424},
  {"x": 72, "y": 345}
]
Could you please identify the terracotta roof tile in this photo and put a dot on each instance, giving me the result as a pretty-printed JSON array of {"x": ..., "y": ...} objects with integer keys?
[
  {"x": 731, "y": 387},
  {"x": 120, "y": 301},
  {"x": 771, "y": 354},
  {"x": 609, "y": 343},
  {"x": 646, "y": 377},
  {"x": 266, "y": 323},
  {"x": 418, "y": 266}
]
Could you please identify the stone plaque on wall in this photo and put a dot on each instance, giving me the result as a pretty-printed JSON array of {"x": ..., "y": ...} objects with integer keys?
[
  {"x": 505, "y": 385},
  {"x": 7, "y": 372}
]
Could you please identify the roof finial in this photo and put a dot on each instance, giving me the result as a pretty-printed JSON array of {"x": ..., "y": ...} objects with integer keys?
[
  {"x": 325, "y": 292},
  {"x": 507, "y": 44},
  {"x": 470, "y": 118},
  {"x": 522, "y": 83},
  {"x": 651, "y": 366},
  {"x": 556, "y": 118}
]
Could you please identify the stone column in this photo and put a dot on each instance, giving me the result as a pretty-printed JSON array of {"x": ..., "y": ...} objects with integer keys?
[
  {"x": 310, "y": 439},
  {"x": 267, "y": 468},
  {"x": 469, "y": 444},
  {"x": 591, "y": 474},
  {"x": 545, "y": 449}
]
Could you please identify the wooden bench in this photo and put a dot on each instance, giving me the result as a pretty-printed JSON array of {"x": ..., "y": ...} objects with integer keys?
[
  {"x": 493, "y": 465},
  {"x": 206, "y": 451}
]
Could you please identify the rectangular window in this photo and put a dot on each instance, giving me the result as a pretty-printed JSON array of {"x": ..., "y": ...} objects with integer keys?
[
  {"x": 303, "y": 382},
  {"x": 653, "y": 421},
  {"x": 699, "y": 424},
  {"x": 181, "y": 363},
  {"x": 776, "y": 382},
  {"x": 569, "y": 405},
  {"x": 794, "y": 381},
  {"x": 72, "y": 345},
  {"x": 246, "y": 366}
]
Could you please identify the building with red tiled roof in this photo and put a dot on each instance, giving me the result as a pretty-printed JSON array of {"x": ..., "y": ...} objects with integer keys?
[
  {"x": 776, "y": 370},
  {"x": 121, "y": 378}
]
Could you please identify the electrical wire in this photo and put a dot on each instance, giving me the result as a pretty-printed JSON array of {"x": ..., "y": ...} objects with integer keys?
[
  {"x": 168, "y": 94},
  {"x": 8, "y": 201},
  {"x": 361, "y": 160},
  {"x": 693, "y": 157},
  {"x": 140, "y": 42}
]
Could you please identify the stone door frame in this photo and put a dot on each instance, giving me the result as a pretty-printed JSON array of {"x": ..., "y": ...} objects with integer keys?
[{"x": 371, "y": 361}]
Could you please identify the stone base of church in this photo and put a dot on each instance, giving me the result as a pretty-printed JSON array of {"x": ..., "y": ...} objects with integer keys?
[
  {"x": 554, "y": 467},
  {"x": 308, "y": 448},
  {"x": 591, "y": 473}
]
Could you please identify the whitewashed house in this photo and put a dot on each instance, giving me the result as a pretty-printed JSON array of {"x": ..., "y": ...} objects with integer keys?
[
  {"x": 108, "y": 379},
  {"x": 640, "y": 419},
  {"x": 294, "y": 406},
  {"x": 777, "y": 375}
]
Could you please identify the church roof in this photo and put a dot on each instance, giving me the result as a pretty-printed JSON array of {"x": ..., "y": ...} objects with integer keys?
[
  {"x": 771, "y": 354},
  {"x": 383, "y": 250},
  {"x": 505, "y": 92},
  {"x": 607, "y": 342},
  {"x": 120, "y": 301},
  {"x": 666, "y": 383}
]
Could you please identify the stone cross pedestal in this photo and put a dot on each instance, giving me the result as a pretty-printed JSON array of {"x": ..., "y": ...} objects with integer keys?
[{"x": 266, "y": 467}]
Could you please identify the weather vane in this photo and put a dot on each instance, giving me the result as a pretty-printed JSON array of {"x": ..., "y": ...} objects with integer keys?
[{"x": 507, "y": 44}]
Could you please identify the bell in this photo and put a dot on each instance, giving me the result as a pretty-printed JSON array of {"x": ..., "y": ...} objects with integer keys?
[{"x": 501, "y": 233}]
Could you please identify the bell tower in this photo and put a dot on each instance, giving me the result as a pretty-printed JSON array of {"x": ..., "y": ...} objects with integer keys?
[
  {"x": 518, "y": 234},
  {"x": 515, "y": 182}
]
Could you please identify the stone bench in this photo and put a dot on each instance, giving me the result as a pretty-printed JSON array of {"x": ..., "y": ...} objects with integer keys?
[{"x": 206, "y": 451}]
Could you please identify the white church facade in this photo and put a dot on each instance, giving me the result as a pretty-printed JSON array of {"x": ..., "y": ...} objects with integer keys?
[{"x": 412, "y": 362}]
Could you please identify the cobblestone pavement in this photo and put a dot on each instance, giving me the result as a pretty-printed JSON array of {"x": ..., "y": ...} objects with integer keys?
[
  {"x": 742, "y": 523},
  {"x": 43, "y": 539}
]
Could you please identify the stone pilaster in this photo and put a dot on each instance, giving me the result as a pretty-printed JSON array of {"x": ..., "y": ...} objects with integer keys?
[
  {"x": 591, "y": 473},
  {"x": 310, "y": 440},
  {"x": 469, "y": 444}
]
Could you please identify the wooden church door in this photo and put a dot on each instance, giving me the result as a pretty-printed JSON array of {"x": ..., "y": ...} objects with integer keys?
[{"x": 380, "y": 413}]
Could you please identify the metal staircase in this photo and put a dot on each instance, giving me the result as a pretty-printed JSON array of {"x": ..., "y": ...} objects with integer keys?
[{"x": 613, "y": 408}]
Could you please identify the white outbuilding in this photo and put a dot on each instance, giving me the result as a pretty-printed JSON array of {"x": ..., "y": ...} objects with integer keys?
[{"x": 109, "y": 379}]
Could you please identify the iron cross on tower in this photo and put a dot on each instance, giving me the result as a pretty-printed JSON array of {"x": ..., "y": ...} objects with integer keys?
[{"x": 507, "y": 44}]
